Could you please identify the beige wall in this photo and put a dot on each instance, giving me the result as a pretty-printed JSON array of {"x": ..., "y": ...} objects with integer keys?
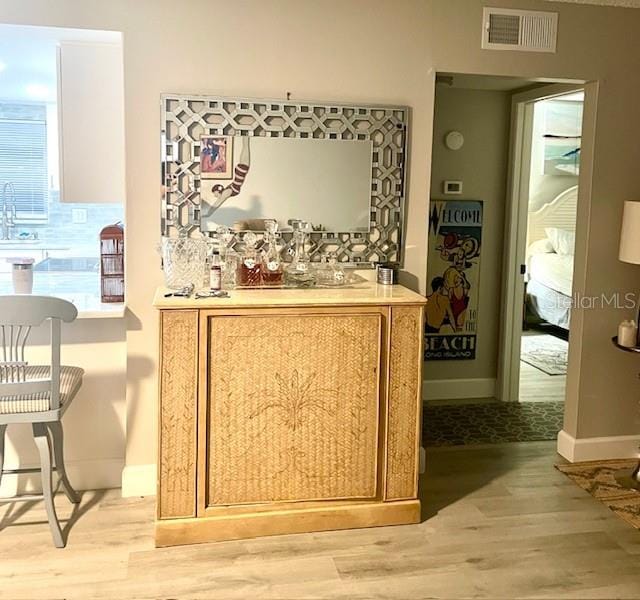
[
  {"x": 368, "y": 51},
  {"x": 483, "y": 117}
]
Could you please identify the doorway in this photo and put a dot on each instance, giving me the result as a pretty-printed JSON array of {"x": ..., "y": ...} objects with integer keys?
[
  {"x": 551, "y": 196},
  {"x": 542, "y": 204},
  {"x": 466, "y": 401}
]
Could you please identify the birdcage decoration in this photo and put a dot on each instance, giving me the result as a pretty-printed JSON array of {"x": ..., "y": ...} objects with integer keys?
[{"x": 112, "y": 263}]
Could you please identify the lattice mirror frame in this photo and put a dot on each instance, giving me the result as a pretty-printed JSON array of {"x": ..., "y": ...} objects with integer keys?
[{"x": 186, "y": 118}]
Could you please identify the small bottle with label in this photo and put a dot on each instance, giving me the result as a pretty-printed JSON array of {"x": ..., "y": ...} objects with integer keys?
[
  {"x": 272, "y": 272},
  {"x": 249, "y": 272},
  {"x": 215, "y": 272}
]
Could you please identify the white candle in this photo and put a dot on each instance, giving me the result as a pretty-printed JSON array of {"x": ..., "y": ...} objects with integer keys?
[{"x": 628, "y": 334}]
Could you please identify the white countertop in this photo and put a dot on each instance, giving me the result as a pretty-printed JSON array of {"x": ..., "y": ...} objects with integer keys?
[
  {"x": 99, "y": 310},
  {"x": 90, "y": 307},
  {"x": 366, "y": 293}
]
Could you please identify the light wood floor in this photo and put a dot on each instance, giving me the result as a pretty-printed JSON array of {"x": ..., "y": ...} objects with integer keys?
[
  {"x": 537, "y": 386},
  {"x": 500, "y": 523}
]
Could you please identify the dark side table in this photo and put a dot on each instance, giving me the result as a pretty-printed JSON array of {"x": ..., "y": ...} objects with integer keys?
[{"x": 628, "y": 478}]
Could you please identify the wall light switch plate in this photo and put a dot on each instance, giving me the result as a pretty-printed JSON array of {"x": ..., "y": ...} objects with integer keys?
[
  {"x": 79, "y": 216},
  {"x": 453, "y": 187}
]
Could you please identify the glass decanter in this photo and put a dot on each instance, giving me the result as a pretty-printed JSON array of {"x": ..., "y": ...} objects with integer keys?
[
  {"x": 298, "y": 272},
  {"x": 271, "y": 264},
  {"x": 248, "y": 273},
  {"x": 229, "y": 257},
  {"x": 331, "y": 272}
]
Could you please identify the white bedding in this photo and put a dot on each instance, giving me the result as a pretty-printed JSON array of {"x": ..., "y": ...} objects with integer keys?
[{"x": 553, "y": 270}]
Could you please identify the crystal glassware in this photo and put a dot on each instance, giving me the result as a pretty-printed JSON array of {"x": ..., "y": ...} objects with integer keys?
[
  {"x": 184, "y": 261},
  {"x": 228, "y": 256},
  {"x": 230, "y": 264},
  {"x": 249, "y": 271},
  {"x": 271, "y": 264},
  {"x": 298, "y": 272},
  {"x": 331, "y": 272}
]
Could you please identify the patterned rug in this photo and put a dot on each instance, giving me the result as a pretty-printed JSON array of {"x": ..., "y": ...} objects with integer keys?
[
  {"x": 491, "y": 423},
  {"x": 597, "y": 478},
  {"x": 545, "y": 352}
]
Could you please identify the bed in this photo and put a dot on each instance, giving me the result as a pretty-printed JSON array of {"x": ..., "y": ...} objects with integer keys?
[{"x": 550, "y": 257}]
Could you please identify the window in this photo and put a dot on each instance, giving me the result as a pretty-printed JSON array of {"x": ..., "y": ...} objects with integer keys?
[
  {"x": 23, "y": 158},
  {"x": 62, "y": 238}
]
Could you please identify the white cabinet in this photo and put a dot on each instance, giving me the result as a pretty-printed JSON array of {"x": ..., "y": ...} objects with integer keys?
[{"x": 91, "y": 122}]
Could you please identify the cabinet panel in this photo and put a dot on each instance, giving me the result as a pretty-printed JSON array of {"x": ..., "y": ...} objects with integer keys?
[
  {"x": 91, "y": 103},
  {"x": 178, "y": 390},
  {"x": 293, "y": 407},
  {"x": 404, "y": 405}
]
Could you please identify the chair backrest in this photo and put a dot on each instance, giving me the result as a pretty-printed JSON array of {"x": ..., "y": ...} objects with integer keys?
[{"x": 18, "y": 314}]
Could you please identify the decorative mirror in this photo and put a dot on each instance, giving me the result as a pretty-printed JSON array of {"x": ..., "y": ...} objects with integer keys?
[{"x": 236, "y": 162}]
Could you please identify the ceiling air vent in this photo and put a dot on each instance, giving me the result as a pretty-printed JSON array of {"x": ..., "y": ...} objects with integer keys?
[{"x": 524, "y": 30}]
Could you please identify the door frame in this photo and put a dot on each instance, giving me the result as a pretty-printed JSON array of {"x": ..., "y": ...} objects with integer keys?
[{"x": 516, "y": 219}]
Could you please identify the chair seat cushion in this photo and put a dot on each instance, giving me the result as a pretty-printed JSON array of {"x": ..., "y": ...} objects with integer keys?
[{"x": 70, "y": 382}]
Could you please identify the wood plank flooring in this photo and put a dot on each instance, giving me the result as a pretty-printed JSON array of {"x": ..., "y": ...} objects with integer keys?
[
  {"x": 537, "y": 386},
  {"x": 500, "y": 522}
]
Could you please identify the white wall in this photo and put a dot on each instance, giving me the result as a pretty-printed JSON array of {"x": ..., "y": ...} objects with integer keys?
[{"x": 355, "y": 51}]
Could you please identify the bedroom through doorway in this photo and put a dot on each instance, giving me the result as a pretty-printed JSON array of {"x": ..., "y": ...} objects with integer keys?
[{"x": 550, "y": 169}]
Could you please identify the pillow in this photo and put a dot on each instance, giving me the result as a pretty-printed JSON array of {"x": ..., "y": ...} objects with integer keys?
[
  {"x": 543, "y": 246},
  {"x": 563, "y": 241}
]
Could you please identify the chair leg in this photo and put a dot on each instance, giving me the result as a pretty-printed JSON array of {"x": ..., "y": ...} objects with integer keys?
[
  {"x": 3, "y": 429},
  {"x": 57, "y": 438},
  {"x": 44, "y": 447}
]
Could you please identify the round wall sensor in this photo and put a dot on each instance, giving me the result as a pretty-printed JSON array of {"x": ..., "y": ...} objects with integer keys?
[{"x": 454, "y": 140}]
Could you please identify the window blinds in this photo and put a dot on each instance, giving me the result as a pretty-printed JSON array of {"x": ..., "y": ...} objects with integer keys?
[{"x": 23, "y": 162}]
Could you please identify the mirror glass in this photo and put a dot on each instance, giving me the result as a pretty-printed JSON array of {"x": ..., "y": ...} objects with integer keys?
[{"x": 244, "y": 180}]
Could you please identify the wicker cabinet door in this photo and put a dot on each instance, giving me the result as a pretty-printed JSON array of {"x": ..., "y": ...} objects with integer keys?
[
  {"x": 177, "y": 430},
  {"x": 293, "y": 405},
  {"x": 405, "y": 402}
]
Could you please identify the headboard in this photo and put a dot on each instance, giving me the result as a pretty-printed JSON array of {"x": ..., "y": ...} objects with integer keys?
[{"x": 560, "y": 213}]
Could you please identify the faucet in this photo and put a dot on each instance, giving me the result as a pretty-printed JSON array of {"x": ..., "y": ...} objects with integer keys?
[{"x": 8, "y": 210}]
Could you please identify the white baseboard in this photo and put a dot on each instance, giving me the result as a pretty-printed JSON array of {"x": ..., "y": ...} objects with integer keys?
[
  {"x": 83, "y": 475},
  {"x": 139, "y": 480},
  {"x": 597, "y": 448},
  {"x": 454, "y": 389}
]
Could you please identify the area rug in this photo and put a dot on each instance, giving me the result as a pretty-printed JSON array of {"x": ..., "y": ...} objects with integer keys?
[
  {"x": 491, "y": 423},
  {"x": 545, "y": 352},
  {"x": 598, "y": 479}
]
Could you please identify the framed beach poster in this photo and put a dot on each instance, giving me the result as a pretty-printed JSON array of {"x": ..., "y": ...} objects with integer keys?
[
  {"x": 216, "y": 157},
  {"x": 453, "y": 277}
]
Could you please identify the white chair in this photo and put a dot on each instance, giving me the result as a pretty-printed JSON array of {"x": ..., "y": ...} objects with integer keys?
[{"x": 37, "y": 394}]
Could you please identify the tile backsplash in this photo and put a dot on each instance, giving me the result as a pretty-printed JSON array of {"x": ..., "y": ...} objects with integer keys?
[
  {"x": 80, "y": 237},
  {"x": 71, "y": 231}
]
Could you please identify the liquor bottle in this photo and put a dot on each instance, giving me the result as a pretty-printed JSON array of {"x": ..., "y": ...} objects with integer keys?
[
  {"x": 215, "y": 272},
  {"x": 271, "y": 264},
  {"x": 248, "y": 273}
]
